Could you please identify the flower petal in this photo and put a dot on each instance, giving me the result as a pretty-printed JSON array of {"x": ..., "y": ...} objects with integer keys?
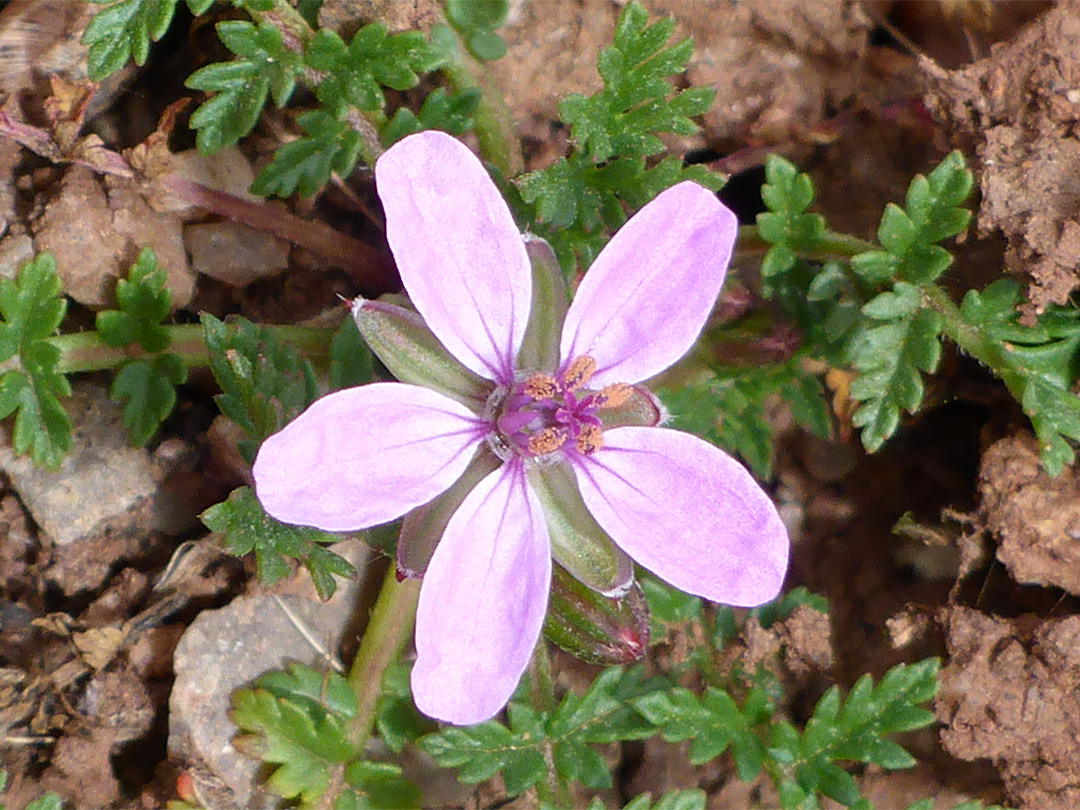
[
  {"x": 366, "y": 455},
  {"x": 482, "y": 601},
  {"x": 688, "y": 512},
  {"x": 460, "y": 255},
  {"x": 645, "y": 299}
]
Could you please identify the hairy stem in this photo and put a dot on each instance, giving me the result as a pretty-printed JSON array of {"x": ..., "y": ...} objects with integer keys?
[
  {"x": 387, "y": 632},
  {"x": 495, "y": 130},
  {"x": 542, "y": 696},
  {"x": 970, "y": 339},
  {"x": 86, "y": 351},
  {"x": 832, "y": 246}
]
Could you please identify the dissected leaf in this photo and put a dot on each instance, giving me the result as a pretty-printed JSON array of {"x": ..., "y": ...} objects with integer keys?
[
  {"x": 148, "y": 390},
  {"x": 246, "y": 527},
  {"x": 605, "y": 713},
  {"x": 32, "y": 309},
  {"x": 306, "y": 164},
  {"x": 263, "y": 67},
  {"x": 264, "y": 383},
  {"x": 612, "y": 132},
  {"x": 891, "y": 358},
  {"x": 144, "y": 303},
  {"x": 305, "y": 739},
  {"x": 125, "y": 29}
]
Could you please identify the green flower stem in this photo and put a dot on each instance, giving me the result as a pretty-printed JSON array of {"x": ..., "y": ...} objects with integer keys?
[
  {"x": 542, "y": 696},
  {"x": 832, "y": 246},
  {"x": 387, "y": 632},
  {"x": 86, "y": 351},
  {"x": 495, "y": 130}
]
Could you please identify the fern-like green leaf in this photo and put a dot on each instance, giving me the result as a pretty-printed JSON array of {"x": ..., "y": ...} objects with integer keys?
[
  {"x": 245, "y": 527},
  {"x": 264, "y": 383},
  {"x": 32, "y": 309},
  {"x": 891, "y": 358},
  {"x": 263, "y": 67}
]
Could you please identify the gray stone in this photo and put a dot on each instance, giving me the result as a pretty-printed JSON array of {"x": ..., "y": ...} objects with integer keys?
[
  {"x": 235, "y": 253},
  {"x": 225, "y": 649},
  {"x": 94, "y": 507},
  {"x": 16, "y": 249}
]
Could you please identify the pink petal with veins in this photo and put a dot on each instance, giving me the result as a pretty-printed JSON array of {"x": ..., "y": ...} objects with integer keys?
[
  {"x": 461, "y": 257},
  {"x": 482, "y": 601},
  {"x": 688, "y": 512},
  {"x": 647, "y": 296},
  {"x": 360, "y": 457}
]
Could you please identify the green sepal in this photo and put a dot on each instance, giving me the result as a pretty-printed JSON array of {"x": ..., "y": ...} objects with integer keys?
[
  {"x": 641, "y": 409},
  {"x": 540, "y": 346},
  {"x": 423, "y": 527},
  {"x": 412, "y": 353},
  {"x": 578, "y": 543},
  {"x": 596, "y": 628}
]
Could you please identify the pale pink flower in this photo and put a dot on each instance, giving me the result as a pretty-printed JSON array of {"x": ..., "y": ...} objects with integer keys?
[{"x": 676, "y": 504}]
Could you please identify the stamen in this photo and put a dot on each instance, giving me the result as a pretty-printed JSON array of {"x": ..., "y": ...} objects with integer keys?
[
  {"x": 546, "y": 441},
  {"x": 578, "y": 372},
  {"x": 540, "y": 386},
  {"x": 614, "y": 395},
  {"x": 590, "y": 438}
]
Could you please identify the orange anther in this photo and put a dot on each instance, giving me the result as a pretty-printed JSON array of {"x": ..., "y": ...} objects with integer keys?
[{"x": 578, "y": 372}]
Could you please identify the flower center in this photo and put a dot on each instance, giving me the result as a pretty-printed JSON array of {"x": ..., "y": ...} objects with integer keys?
[{"x": 542, "y": 417}]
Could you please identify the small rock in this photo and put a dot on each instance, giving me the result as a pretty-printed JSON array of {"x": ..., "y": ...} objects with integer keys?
[
  {"x": 95, "y": 506},
  {"x": 95, "y": 237},
  {"x": 225, "y": 649},
  {"x": 15, "y": 250},
  {"x": 235, "y": 253},
  {"x": 226, "y": 170}
]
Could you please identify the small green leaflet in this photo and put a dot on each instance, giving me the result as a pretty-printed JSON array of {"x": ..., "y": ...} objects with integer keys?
[
  {"x": 449, "y": 112},
  {"x": 148, "y": 390},
  {"x": 891, "y": 358},
  {"x": 355, "y": 73},
  {"x": 32, "y": 310},
  {"x": 476, "y": 22},
  {"x": 604, "y": 714},
  {"x": 328, "y": 146},
  {"x": 1041, "y": 364},
  {"x": 931, "y": 214},
  {"x": 263, "y": 66},
  {"x": 245, "y": 527},
  {"x": 296, "y": 720},
  {"x": 264, "y": 383},
  {"x": 396, "y": 717},
  {"x": 146, "y": 386},
  {"x": 46, "y": 801},
  {"x": 144, "y": 304},
  {"x": 786, "y": 226},
  {"x": 712, "y": 722},
  {"x": 125, "y": 30}
]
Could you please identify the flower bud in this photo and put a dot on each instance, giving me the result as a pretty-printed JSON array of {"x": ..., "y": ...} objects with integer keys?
[{"x": 596, "y": 628}]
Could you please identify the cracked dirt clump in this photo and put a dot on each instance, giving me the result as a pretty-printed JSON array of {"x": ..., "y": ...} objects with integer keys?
[
  {"x": 1021, "y": 106},
  {"x": 1034, "y": 518},
  {"x": 1008, "y": 694}
]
